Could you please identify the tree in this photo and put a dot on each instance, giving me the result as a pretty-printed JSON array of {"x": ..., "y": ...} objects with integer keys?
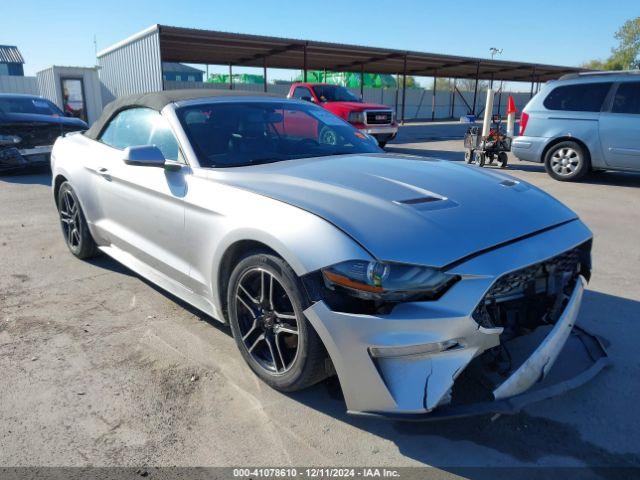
[
  {"x": 462, "y": 84},
  {"x": 626, "y": 55}
]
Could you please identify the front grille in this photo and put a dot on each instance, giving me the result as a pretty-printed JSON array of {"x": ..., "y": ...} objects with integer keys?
[
  {"x": 531, "y": 291},
  {"x": 382, "y": 117}
]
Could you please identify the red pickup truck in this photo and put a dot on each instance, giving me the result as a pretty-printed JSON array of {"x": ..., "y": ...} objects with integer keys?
[{"x": 377, "y": 120}]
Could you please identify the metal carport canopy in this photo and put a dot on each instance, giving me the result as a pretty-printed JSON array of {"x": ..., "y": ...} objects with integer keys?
[{"x": 178, "y": 44}]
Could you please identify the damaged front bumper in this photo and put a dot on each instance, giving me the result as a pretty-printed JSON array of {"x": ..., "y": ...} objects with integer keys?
[
  {"x": 13, "y": 159},
  {"x": 428, "y": 360}
]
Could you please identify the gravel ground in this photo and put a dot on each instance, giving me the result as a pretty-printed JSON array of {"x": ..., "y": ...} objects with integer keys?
[{"x": 100, "y": 368}]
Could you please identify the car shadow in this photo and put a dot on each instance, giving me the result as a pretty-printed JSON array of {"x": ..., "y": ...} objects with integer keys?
[
  {"x": 107, "y": 263},
  {"x": 524, "y": 437},
  {"x": 33, "y": 177},
  {"x": 450, "y": 155}
]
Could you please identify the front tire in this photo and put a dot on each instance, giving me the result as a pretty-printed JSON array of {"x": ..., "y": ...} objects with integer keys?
[
  {"x": 479, "y": 158},
  {"x": 74, "y": 224},
  {"x": 266, "y": 302},
  {"x": 567, "y": 162}
]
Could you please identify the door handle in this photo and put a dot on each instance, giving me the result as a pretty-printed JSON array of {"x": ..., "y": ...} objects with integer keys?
[{"x": 104, "y": 173}]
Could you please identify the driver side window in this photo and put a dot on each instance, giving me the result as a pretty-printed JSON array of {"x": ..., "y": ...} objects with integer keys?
[
  {"x": 302, "y": 93},
  {"x": 141, "y": 126}
]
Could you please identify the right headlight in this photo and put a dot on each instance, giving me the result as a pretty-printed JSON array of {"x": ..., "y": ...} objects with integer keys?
[
  {"x": 392, "y": 282},
  {"x": 356, "y": 117}
]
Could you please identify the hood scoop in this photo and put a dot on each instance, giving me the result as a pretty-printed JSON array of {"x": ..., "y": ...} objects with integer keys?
[
  {"x": 430, "y": 202},
  {"x": 419, "y": 200}
]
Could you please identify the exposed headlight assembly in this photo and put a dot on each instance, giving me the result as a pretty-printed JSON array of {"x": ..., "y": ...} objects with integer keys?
[
  {"x": 9, "y": 140},
  {"x": 392, "y": 282}
]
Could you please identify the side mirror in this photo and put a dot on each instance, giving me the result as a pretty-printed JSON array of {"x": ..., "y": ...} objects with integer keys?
[{"x": 144, "y": 156}]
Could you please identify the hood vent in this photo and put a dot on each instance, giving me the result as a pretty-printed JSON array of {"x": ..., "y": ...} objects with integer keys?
[
  {"x": 420, "y": 200},
  {"x": 427, "y": 203},
  {"x": 509, "y": 183}
]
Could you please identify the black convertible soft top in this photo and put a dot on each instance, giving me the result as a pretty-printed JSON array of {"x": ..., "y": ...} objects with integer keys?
[{"x": 158, "y": 100}]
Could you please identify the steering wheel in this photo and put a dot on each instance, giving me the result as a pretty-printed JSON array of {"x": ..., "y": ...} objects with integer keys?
[{"x": 327, "y": 136}]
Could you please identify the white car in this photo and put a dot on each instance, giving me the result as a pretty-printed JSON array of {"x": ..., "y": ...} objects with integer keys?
[{"x": 326, "y": 255}]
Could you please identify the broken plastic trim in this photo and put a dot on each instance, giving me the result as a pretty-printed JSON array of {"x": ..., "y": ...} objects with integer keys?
[
  {"x": 512, "y": 405},
  {"x": 413, "y": 350}
]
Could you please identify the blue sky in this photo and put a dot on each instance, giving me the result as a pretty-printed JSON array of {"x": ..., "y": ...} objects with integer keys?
[{"x": 556, "y": 32}]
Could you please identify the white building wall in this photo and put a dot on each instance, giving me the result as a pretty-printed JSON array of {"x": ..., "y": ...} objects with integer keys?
[
  {"x": 16, "y": 84},
  {"x": 131, "y": 67}
]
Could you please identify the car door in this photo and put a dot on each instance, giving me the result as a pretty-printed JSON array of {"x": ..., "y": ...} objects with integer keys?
[
  {"x": 144, "y": 205},
  {"x": 620, "y": 128}
]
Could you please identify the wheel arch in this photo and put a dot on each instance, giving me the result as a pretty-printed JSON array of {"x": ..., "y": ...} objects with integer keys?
[
  {"x": 230, "y": 258},
  {"x": 567, "y": 138},
  {"x": 57, "y": 183}
]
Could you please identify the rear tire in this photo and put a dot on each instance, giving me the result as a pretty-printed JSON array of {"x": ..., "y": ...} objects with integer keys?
[
  {"x": 266, "y": 302},
  {"x": 74, "y": 224},
  {"x": 468, "y": 156},
  {"x": 567, "y": 161},
  {"x": 503, "y": 158}
]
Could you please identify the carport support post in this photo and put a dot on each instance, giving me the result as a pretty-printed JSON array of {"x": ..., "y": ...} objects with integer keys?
[
  {"x": 264, "y": 72},
  {"x": 230, "y": 77},
  {"x": 433, "y": 97},
  {"x": 533, "y": 78},
  {"x": 304, "y": 63},
  {"x": 475, "y": 90},
  {"x": 453, "y": 99},
  {"x": 362, "y": 80},
  {"x": 404, "y": 86},
  {"x": 397, "y": 90}
]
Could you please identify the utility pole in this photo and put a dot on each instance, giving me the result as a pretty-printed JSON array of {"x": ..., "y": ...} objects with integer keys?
[{"x": 495, "y": 51}]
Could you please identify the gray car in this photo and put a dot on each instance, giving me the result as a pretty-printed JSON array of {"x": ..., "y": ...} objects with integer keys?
[
  {"x": 327, "y": 256},
  {"x": 583, "y": 123}
]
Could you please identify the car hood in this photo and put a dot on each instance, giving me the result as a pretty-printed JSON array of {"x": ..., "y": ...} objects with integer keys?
[
  {"x": 407, "y": 209},
  {"x": 37, "y": 118},
  {"x": 359, "y": 106}
]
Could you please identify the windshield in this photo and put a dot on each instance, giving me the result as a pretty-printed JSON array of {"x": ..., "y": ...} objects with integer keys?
[
  {"x": 233, "y": 134},
  {"x": 334, "y": 93},
  {"x": 36, "y": 105}
]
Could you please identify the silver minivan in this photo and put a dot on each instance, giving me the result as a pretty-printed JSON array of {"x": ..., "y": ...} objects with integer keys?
[{"x": 581, "y": 123}]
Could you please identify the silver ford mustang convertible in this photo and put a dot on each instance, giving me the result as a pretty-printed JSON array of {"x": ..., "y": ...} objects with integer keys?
[{"x": 429, "y": 288}]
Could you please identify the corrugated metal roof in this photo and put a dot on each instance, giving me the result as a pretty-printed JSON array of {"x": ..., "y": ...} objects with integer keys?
[
  {"x": 190, "y": 45},
  {"x": 10, "y": 54},
  {"x": 213, "y": 47}
]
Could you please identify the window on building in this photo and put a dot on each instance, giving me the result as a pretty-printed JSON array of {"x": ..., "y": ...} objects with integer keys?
[
  {"x": 191, "y": 78},
  {"x": 178, "y": 78}
]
